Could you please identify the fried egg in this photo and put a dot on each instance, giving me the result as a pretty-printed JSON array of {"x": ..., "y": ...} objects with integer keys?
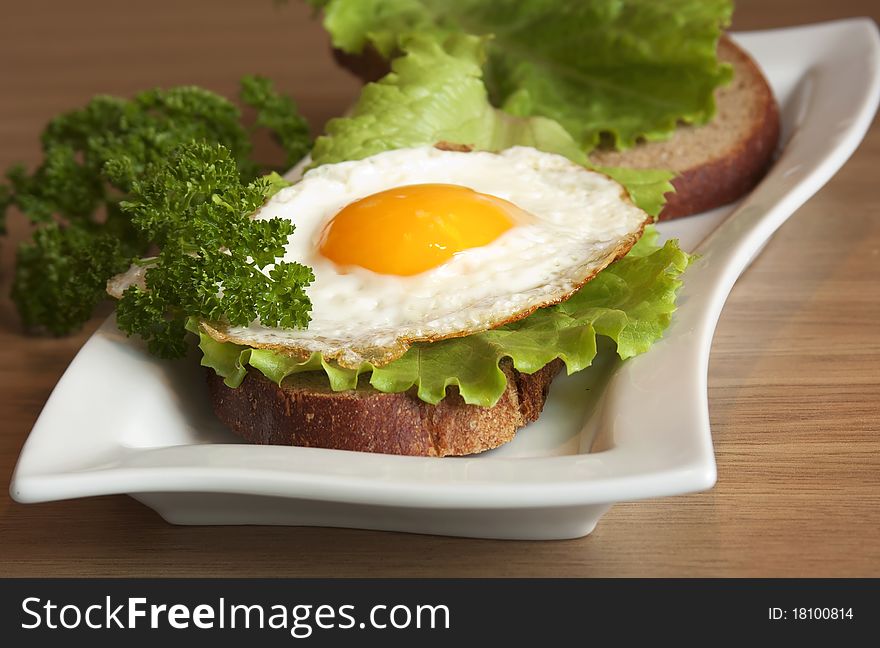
[{"x": 423, "y": 244}]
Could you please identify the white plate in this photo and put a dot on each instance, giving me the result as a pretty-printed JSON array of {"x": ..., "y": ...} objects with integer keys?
[{"x": 120, "y": 421}]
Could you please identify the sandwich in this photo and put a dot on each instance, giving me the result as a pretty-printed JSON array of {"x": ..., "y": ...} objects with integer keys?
[
  {"x": 460, "y": 237},
  {"x": 450, "y": 288},
  {"x": 714, "y": 163}
]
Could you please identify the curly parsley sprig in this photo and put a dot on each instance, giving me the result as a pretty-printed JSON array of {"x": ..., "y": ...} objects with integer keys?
[
  {"x": 92, "y": 157},
  {"x": 279, "y": 114},
  {"x": 71, "y": 264},
  {"x": 214, "y": 255}
]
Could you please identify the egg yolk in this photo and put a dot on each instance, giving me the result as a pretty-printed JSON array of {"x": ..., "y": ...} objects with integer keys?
[{"x": 411, "y": 229}]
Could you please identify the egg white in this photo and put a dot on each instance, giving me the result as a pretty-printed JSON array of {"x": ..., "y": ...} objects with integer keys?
[{"x": 578, "y": 222}]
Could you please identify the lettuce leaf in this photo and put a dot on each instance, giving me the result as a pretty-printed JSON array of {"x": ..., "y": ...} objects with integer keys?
[
  {"x": 435, "y": 93},
  {"x": 631, "y": 302},
  {"x": 646, "y": 187},
  {"x": 621, "y": 68}
]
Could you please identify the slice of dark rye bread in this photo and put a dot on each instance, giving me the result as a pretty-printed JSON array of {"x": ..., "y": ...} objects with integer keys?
[
  {"x": 305, "y": 412},
  {"x": 715, "y": 164}
]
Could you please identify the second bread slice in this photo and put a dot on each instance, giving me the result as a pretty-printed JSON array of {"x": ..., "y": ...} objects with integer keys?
[{"x": 720, "y": 161}]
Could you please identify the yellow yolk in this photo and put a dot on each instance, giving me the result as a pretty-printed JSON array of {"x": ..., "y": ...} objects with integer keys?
[{"x": 407, "y": 230}]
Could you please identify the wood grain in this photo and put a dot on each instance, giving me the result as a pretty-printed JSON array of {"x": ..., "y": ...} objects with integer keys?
[{"x": 794, "y": 381}]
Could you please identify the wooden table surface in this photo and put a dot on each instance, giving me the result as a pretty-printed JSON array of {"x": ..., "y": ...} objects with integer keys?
[{"x": 794, "y": 381}]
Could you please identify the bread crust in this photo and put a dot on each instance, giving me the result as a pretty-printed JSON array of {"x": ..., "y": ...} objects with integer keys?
[
  {"x": 368, "y": 66},
  {"x": 305, "y": 412}
]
